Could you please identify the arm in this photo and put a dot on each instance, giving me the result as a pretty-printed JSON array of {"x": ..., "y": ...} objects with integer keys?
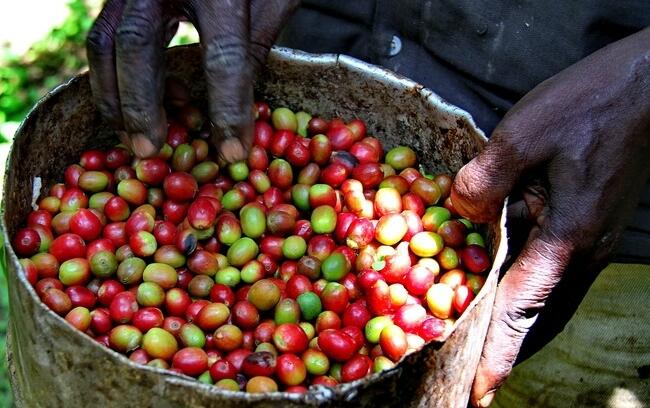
[{"x": 579, "y": 145}]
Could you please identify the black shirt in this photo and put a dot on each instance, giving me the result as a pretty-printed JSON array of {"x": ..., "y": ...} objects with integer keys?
[{"x": 480, "y": 55}]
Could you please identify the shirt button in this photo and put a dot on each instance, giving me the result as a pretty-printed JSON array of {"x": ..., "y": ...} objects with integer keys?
[
  {"x": 395, "y": 46},
  {"x": 481, "y": 28}
]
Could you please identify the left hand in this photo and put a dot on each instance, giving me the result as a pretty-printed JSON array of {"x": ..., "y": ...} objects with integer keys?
[
  {"x": 584, "y": 137},
  {"x": 126, "y": 56}
]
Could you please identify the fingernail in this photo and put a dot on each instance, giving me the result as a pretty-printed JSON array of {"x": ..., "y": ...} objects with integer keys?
[
  {"x": 486, "y": 400},
  {"x": 142, "y": 146},
  {"x": 232, "y": 150}
]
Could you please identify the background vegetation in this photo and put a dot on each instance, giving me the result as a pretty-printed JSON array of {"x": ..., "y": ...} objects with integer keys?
[{"x": 26, "y": 78}]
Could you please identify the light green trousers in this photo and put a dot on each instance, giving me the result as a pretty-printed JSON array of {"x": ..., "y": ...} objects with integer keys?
[{"x": 601, "y": 359}]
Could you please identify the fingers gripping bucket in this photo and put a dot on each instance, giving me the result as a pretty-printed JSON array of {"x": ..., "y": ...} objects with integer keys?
[{"x": 53, "y": 365}]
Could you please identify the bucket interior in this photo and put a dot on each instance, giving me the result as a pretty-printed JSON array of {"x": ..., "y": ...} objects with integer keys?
[{"x": 396, "y": 110}]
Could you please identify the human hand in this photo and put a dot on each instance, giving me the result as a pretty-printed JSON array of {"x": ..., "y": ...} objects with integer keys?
[
  {"x": 126, "y": 55},
  {"x": 577, "y": 145}
]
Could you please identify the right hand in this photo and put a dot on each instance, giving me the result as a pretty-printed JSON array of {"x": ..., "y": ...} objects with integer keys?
[
  {"x": 126, "y": 56},
  {"x": 579, "y": 144}
]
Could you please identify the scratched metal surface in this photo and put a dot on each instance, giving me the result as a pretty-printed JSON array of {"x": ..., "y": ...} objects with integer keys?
[{"x": 53, "y": 365}]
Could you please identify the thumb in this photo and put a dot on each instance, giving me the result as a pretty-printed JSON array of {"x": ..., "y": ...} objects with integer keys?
[
  {"x": 521, "y": 295},
  {"x": 482, "y": 184}
]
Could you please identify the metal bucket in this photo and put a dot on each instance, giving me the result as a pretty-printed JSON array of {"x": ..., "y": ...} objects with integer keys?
[{"x": 53, "y": 365}]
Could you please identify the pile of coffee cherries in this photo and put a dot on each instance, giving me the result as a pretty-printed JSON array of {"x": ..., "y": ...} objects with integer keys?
[{"x": 319, "y": 260}]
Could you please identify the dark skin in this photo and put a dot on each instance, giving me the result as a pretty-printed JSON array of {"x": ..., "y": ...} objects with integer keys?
[
  {"x": 125, "y": 51},
  {"x": 578, "y": 145},
  {"x": 574, "y": 148}
]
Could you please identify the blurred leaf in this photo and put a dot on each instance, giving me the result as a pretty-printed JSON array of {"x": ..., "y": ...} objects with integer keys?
[{"x": 50, "y": 61}]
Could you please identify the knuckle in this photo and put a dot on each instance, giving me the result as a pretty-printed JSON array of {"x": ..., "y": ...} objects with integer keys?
[
  {"x": 136, "y": 32},
  {"x": 100, "y": 39},
  {"x": 517, "y": 318},
  {"x": 553, "y": 250},
  {"x": 226, "y": 56}
]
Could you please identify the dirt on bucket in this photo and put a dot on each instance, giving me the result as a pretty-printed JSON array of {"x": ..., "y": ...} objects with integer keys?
[{"x": 54, "y": 365}]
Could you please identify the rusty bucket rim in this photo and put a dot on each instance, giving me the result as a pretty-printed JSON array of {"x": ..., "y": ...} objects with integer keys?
[{"x": 315, "y": 394}]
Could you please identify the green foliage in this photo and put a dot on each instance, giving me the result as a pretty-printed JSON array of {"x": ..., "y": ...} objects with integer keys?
[{"x": 26, "y": 78}]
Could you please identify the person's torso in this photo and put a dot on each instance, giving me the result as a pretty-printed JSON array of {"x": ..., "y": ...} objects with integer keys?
[{"x": 480, "y": 55}]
